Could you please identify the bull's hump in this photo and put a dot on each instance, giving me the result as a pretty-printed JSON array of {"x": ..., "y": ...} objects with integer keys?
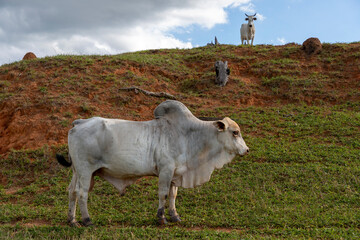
[{"x": 172, "y": 108}]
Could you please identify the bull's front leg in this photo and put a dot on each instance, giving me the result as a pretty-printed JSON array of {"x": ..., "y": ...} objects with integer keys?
[
  {"x": 174, "y": 217},
  {"x": 165, "y": 177}
]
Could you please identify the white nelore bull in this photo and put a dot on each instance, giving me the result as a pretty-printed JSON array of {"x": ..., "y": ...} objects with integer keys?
[
  {"x": 179, "y": 148},
  {"x": 247, "y": 30}
]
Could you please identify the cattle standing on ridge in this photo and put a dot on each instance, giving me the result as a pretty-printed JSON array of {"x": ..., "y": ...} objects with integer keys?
[
  {"x": 179, "y": 148},
  {"x": 247, "y": 30}
]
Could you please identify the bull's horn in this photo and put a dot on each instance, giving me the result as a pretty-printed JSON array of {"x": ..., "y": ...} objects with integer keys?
[
  {"x": 254, "y": 15},
  {"x": 246, "y": 15}
]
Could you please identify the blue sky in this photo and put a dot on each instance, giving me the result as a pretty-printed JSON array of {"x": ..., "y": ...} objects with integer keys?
[
  {"x": 287, "y": 21},
  {"x": 54, "y": 27}
]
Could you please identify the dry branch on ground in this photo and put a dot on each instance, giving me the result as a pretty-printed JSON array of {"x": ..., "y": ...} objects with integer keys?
[{"x": 153, "y": 94}]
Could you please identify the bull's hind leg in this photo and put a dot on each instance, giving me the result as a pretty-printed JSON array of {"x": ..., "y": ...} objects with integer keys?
[
  {"x": 72, "y": 202},
  {"x": 174, "y": 217},
  {"x": 82, "y": 194}
]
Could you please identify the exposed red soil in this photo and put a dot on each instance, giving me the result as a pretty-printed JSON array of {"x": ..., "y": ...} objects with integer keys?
[
  {"x": 40, "y": 98},
  {"x": 37, "y": 223}
]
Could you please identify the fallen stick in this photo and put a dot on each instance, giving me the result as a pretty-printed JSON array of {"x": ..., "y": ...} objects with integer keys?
[{"x": 153, "y": 94}]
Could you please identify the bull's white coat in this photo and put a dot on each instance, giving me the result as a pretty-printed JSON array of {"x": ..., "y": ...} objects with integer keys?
[
  {"x": 176, "y": 146},
  {"x": 247, "y": 30}
]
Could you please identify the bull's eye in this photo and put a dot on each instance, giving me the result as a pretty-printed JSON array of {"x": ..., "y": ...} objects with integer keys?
[{"x": 236, "y": 133}]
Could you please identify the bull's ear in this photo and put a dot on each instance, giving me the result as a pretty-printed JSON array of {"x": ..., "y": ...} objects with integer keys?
[
  {"x": 254, "y": 18},
  {"x": 228, "y": 71},
  {"x": 246, "y": 19},
  {"x": 221, "y": 125}
]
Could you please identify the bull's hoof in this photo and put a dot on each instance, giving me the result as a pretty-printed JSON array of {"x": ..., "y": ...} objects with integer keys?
[
  {"x": 74, "y": 224},
  {"x": 175, "y": 218},
  {"x": 87, "y": 222},
  {"x": 162, "y": 221}
]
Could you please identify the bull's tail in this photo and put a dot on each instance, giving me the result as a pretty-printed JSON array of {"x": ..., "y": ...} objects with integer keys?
[{"x": 61, "y": 159}]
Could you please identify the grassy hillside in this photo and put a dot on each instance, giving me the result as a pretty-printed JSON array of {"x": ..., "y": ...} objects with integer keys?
[
  {"x": 40, "y": 98},
  {"x": 299, "y": 115}
]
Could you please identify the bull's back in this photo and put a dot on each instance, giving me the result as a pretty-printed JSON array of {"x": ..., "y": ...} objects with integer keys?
[{"x": 124, "y": 148}]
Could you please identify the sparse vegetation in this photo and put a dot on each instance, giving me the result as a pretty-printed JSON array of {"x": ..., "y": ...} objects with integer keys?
[
  {"x": 43, "y": 89},
  {"x": 85, "y": 108}
]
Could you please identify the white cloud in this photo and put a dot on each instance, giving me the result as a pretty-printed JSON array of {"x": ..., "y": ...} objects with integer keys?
[
  {"x": 281, "y": 40},
  {"x": 260, "y": 17},
  {"x": 102, "y": 27},
  {"x": 141, "y": 38},
  {"x": 78, "y": 44},
  {"x": 249, "y": 9}
]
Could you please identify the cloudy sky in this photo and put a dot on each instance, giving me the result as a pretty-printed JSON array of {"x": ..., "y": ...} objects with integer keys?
[{"x": 49, "y": 27}]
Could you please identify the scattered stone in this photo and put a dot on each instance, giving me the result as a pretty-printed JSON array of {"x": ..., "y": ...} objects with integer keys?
[
  {"x": 213, "y": 44},
  {"x": 216, "y": 41}
]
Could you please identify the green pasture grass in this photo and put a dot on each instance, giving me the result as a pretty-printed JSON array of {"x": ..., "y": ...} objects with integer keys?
[
  {"x": 173, "y": 232},
  {"x": 300, "y": 180}
]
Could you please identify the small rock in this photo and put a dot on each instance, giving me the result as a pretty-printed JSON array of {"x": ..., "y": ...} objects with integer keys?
[
  {"x": 312, "y": 46},
  {"x": 29, "y": 55}
]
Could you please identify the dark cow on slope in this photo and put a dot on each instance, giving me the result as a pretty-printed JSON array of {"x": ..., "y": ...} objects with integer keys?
[{"x": 222, "y": 73}]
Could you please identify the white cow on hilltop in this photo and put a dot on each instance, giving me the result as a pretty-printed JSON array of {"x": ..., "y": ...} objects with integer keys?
[
  {"x": 247, "y": 30},
  {"x": 179, "y": 148}
]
